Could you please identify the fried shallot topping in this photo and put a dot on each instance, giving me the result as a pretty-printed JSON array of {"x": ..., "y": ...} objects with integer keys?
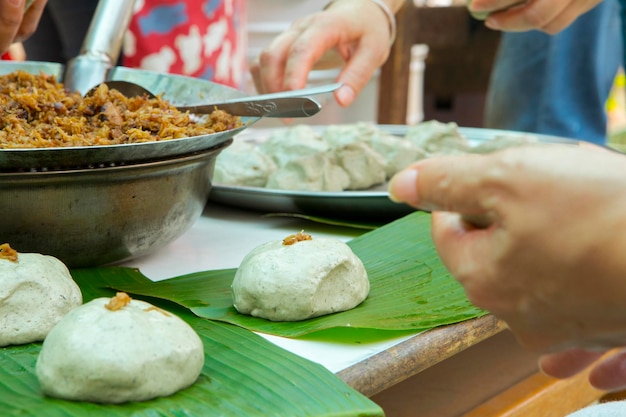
[
  {"x": 37, "y": 111},
  {"x": 153, "y": 308},
  {"x": 298, "y": 237},
  {"x": 118, "y": 302},
  {"x": 8, "y": 253}
]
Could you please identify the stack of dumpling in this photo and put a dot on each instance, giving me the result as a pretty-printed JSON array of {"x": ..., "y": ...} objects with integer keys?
[
  {"x": 340, "y": 157},
  {"x": 304, "y": 162}
]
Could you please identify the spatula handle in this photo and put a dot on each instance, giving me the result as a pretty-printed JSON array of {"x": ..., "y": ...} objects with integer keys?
[
  {"x": 101, "y": 47},
  {"x": 286, "y": 107}
]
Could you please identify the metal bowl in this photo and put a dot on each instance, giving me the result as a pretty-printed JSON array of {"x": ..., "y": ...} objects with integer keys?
[
  {"x": 177, "y": 89},
  {"x": 95, "y": 216},
  {"x": 98, "y": 205}
]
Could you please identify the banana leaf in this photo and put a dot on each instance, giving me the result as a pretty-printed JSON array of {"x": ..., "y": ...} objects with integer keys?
[
  {"x": 244, "y": 375},
  {"x": 410, "y": 288},
  {"x": 330, "y": 221}
]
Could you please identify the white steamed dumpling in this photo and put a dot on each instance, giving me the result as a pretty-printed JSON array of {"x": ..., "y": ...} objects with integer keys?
[
  {"x": 299, "y": 278},
  {"x": 36, "y": 292},
  {"x": 115, "y": 350}
]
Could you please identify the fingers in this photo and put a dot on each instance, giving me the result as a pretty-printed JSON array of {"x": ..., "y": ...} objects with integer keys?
[
  {"x": 481, "y": 9},
  {"x": 16, "y": 24},
  {"x": 343, "y": 35},
  {"x": 610, "y": 373},
  {"x": 545, "y": 15},
  {"x": 492, "y": 5},
  {"x": 316, "y": 37},
  {"x": 30, "y": 20},
  {"x": 453, "y": 183},
  {"x": 288, "y": 59},
  {"x": 403, "y": 187},
  {"x": 268, "y": 69},
  {"x": 567, "y": 363},
  {"x": 11, "y": 14},
  {"x": 360, "y": 68},
  {"x": 462, "y": 250}
]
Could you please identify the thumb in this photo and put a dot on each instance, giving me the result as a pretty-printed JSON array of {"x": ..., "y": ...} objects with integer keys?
[{"x": 451, "y": 183}]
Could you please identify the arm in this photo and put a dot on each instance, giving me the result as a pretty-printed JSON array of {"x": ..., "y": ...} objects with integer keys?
[{"x": 357, "y": 32}]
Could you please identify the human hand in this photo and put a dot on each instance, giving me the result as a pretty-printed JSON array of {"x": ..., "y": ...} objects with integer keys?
[
  {"x": 550, "y": 16},
  {"x": 608, "y": 370},
  {"x": 15, "y": 24},
  {"x": 355, "y": 31},
  {"x": 551, "y": 262}
]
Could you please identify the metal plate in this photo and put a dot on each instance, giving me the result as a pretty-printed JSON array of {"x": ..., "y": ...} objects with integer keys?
[
  {"x": 177, "y": 89},
  {"x": 367, "y": 205},
  {"x": 350, "y": 205}
]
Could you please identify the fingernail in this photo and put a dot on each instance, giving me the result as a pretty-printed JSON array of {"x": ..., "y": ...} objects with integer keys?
[
  {"x": 403, "y": 187},
  {"x": 345, "y": 95},
  {"x": 492, "y": 23},
  {"x": 540, "y": 366}
]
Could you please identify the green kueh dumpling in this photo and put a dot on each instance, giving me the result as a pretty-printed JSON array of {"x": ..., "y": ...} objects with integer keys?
[
  {"x": 298, "y": 278},
  {"x": 116, "y": 350},
  {"x": 36, "y": 292}
]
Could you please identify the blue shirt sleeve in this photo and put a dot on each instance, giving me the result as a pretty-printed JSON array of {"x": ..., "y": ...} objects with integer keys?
[{"x": 623, "y": 17}]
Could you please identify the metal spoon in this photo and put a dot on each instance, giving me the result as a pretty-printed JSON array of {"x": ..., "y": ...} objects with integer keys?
[{"x": 287, "y": 104}]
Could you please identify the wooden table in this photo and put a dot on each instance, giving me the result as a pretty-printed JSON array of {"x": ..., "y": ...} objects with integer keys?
[{"x": 408, "y": 358}]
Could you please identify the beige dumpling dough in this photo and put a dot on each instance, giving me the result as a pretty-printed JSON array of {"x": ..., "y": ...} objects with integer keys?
[
  {"x": 299, "y": 278},
  {"x": 115, "y": 350},
  {"x": 291, "y": 143},
  {"x": 36, "y": 292},
  {"x": 397, "y": 151},
  {"x": 316, "y": 172},
  {"x": 365, "y": 166},
  {"x": 242, "y": 163},
  {"x": 438, "y": 138},
  {"x": 504, "y": 141},
  {"x": 341, "y": 135}
]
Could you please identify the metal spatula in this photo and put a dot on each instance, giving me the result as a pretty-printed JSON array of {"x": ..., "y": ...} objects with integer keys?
[{"x": 287, "y": 104}]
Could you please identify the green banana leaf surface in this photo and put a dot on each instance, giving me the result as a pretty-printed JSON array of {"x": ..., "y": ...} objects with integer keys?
[
  {"x": 243, "y": 375},
  {"x": 410, "y": 289}
]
